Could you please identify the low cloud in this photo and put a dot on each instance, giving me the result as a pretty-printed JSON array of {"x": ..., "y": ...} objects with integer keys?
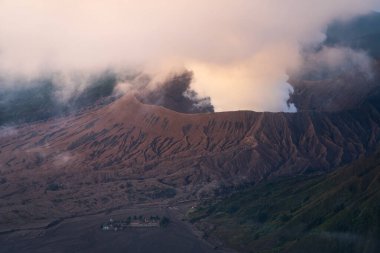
[
  {"x": 175, "y": 94},
  {"x": 239, "y": 51},
  {"x": 7, "y": 131},
  {"x": 329, "y": 62}
]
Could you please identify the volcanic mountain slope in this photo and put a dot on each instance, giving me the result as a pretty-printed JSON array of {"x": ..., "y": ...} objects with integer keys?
[
  {"x": 130, "y": 152},
  {"x": 337, "y": 212}
]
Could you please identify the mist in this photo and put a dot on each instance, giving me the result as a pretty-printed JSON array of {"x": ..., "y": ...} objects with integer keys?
[
  {"x": 175, "y": 94},
  {"x": 328, "y": 62},
  {"x": 240, "y": 52}
]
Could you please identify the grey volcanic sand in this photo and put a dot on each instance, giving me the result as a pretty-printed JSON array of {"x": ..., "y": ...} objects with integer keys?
[{"x": 83, "y": 234}]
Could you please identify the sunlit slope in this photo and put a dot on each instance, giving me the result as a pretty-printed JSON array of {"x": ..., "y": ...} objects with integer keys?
[{"x": 128, "y": 152}]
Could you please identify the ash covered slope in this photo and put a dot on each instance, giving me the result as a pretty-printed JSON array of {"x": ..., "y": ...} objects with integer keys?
[
  {"x": 128, "y": 152},
  {"x": 129, "y": 134},
  {"x": 198, "y": 149}
]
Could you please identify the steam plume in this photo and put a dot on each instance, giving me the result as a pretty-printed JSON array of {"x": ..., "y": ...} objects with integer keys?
[{"x": 240, "y": 51}]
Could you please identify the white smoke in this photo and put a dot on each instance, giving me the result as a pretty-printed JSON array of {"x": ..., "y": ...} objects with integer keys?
[
  {"x": 7, "y": 131},
  {"x": 333, "y": 61},
  {"x": 240, "y": 51}
]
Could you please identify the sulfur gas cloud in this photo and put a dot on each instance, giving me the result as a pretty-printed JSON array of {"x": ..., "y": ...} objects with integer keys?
[{"x": 240, "y": 52}]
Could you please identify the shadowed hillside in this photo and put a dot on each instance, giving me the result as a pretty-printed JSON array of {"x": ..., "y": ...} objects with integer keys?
[{"x": 338, "y": 212}]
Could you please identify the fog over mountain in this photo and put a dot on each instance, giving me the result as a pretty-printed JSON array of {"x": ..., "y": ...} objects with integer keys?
[
  {"x": 189, "y": 126},
  {"x": 241, "y": 48}
]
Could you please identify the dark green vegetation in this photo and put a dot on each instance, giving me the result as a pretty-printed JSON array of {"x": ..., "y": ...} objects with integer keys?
[
  {"x": 338, "y": 212},
  {"x": 141, "y": 221},
  {"x": 53, "y": 187},
  {"x": 164, "y": 222},
  {"x": 163, "y": 193}
]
